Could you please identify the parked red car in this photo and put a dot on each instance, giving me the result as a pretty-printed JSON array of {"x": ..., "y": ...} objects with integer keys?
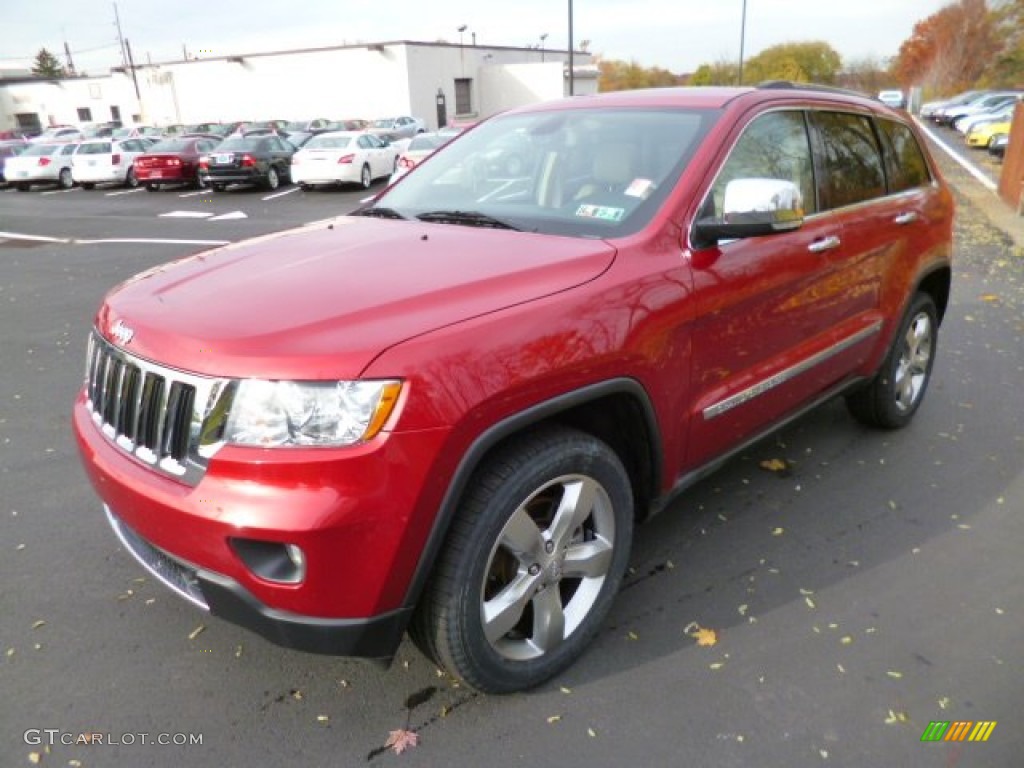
[
  {"x": 173, "y": 161},
  {"x": 446, "y": 412}
]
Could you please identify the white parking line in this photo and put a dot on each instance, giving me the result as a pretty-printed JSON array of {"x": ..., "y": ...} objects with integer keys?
[
  {"x": 34, "y": 238},
  {"x": 197, "y": 192},
  {"x": 126, "y": 192},
  {"x": 281, "y": 194},
  {"x": 986, "y": 182},
  {"x": 76, "y": 241},
  {"x": 60, "y": 191},
  {"x": 186, "y": 215},
  {"x": 227, "y": 216}
]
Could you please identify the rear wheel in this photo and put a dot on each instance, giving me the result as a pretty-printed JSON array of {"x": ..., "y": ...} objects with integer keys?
[
  {"x": 217, "y": 187},
  {"x": 365, "y": 177},
  {"x": 152, "y": 187},
  {"x": 130, "y": 179},
  {"x": 273, "y": 180},
  {"x": 892, "y": 398},
  {"x": 64, "y": 180},
  {"x": 87, "y": 185},
  {"x": 24, "y": 187},
  {"x": 532, "y": 562}
]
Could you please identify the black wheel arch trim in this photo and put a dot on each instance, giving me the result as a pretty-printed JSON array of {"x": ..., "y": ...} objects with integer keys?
[{"x": 506, "y": 428}]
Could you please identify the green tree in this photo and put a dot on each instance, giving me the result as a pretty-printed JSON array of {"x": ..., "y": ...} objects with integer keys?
[
  {"x": 720, "y": 73},
  {"x": 624, "y": 76},
  {"x": 47, "y": 65},
  {"x": 1007, "y": 69},
  {"x": 810, "y": 62}
]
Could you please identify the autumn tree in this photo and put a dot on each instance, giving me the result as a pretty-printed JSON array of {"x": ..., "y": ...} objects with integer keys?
[
  {"x": 867, "y": 75},
  {"x": 47, "y": 65},
  {"x": 951, "y": 49},
  {"x": 1007, "y": 68},
  {"x": 810, "y": 62},
  {"x": 623, "y": 76}
]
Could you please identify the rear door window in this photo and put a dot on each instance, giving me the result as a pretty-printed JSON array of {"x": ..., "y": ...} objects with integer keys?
[{"x": 852, "y": 169}]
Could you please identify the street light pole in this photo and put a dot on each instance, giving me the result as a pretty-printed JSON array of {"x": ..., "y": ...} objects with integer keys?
[
  {"x": 743, "y": 35},
  {"x": 542, "y": 39},
  {"x": 572, "y": 89}
]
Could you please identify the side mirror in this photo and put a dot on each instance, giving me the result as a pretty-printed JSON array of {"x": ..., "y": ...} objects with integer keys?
[{"x": 753, "y": 208}]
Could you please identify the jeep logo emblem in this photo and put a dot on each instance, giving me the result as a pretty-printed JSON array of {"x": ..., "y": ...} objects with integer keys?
[{"x": 122, "y": 333}]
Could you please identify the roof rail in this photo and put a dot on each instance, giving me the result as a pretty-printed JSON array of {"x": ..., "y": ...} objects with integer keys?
[{"x": 789, "y": 84}]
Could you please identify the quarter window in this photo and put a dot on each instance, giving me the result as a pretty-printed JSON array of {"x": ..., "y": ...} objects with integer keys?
[
  {"x": 852, "y": 161},
  {"x": 907, "y": 166}
]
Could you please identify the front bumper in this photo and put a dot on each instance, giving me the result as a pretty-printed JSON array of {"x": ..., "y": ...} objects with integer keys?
[
  {"x": 375, "y": 638},
  {"x": 359, "y": 515}
]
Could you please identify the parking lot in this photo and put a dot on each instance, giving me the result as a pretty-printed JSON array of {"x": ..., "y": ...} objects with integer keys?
[{"x": 870, "y": 588}]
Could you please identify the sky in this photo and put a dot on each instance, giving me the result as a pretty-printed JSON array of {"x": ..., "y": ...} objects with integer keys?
[{"x": 677, "y": 35}]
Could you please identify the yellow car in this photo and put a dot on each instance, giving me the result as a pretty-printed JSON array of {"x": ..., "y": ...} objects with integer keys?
[{"x": 982, "y": 135}]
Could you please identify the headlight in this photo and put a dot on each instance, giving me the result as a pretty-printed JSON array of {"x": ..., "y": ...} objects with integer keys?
[{"x": 269, "y": 413}]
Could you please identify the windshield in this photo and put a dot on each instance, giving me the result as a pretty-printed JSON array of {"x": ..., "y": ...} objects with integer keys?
[
  {"x": 41, "y": 150},
  {"x": 426, "y": 141},
  {"x": 171, "y": 145},
  {"x": 385, "y": 123},
  {"x": 95, "y": 148},
  {"x": 579, "y": 172},
  {"x": 238, "y": 145}
]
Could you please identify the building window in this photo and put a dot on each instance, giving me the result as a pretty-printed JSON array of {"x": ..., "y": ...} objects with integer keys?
[
  {"x": 463, "y": 96},
  {"x": 115, "y": 113},
  {"x": 29, "y": 121},
  {"x": 84, "y": 115}
]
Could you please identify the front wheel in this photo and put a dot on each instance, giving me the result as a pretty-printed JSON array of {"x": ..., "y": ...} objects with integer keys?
[
  {"x": 131, "y": 181},
  {"x": 893, "y": 396},
  {"x": 365, "y": 177},
  {"x": 64, "y": 180},
  {"x": 273, "y": 180},
  {"x": 88, "y": 185},
  {"x": 532, "y": 562},
  {"x": 152, "y": 187}
]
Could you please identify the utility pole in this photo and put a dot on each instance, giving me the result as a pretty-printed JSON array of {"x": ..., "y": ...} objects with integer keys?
[
  {"x": 67, "y": 54},
  {"x": 572, "y": 90},
  {"x": 743, "y": 37},
  {"x": 135, "y": 78},
  {"x": 120, "y": 37}
]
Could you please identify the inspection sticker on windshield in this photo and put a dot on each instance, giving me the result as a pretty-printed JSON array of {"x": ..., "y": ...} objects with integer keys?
[
  {"x": 603, "y": 212},
  {"x": 640, "y": 188}
]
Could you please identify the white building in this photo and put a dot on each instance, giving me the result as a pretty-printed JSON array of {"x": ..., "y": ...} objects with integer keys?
[
  {"x": 434, "y": 81},
  {"x": 31, "y": 104}
]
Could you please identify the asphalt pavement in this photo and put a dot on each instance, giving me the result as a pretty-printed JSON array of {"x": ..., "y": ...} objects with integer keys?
[{"x": 871, "y": 588}]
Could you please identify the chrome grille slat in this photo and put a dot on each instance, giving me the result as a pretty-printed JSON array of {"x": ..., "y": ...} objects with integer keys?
[{"x": 155, "y": 413}]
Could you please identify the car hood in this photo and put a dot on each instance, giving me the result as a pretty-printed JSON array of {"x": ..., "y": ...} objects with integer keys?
[{"x": 323, "y": 301}]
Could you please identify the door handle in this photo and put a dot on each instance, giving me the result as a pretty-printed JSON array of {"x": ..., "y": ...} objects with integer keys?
[
  {"x": 824, "y": 244},
  {"x": 905, "y": 218}
]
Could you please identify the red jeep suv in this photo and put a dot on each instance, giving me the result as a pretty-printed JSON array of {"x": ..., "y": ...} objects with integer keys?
[{"x": 445, "y": 412}]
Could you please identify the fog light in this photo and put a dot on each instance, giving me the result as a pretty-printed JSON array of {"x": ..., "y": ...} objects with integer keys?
[{"x": 271, "y": 560}]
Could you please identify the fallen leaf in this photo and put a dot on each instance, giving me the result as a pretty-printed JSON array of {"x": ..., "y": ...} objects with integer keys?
[
  {"x": 633, "y": 635},
  {"x": 565, "y": 690},
  {"x": 841, "y": 668},
  {"x": 845, "y": 639},
  {"x": 706, "y": 636},
  {"x": 806, "y": 591},
  {"x": 896, "y": 717},
  {"x": 989, "y": 297},
  {"x": 944, "y": 702},
  {"x": 810, "y": 603},
  {"x": 716, "y": 665},
  {"x": 323, "y": 718},
  {"x": 743, "y": 609},
  {"x": 778, "y": 531},
  {"x": 34, "y": 758},
  {"x": 823, "y": 753},
  {"x": 39, "y": 624},
  {"x": 297, "y": 695},
  {"x": 401, "y": 740},
  {"x": 238, "y": 651},
  {"x": 895, "y": 675},
  {"x": 554, "y": 719},
  {"x": 196, "y": 632},
  {"x": 591, "y": 733},
  {"x": 774, "y": 465}
]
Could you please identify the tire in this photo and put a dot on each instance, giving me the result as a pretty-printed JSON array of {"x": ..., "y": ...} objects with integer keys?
[
  {"x": 217, "y": 187},
  {"x": 365, "y": 177},
  {"x": 509, "y": 554},
  {"x": 64, "y": 180},
  {"x": 24, "y": 187},
  {"x": 305, "y": 187},
  {"x": 88, "y": 185},
  {"x": 131, "y": 181},
  {"x": 894, "y": 395},
  {"x": 201, "y": 182},
  {"x": 273, "y": 181},
  {"x": 152, "y": 187}
]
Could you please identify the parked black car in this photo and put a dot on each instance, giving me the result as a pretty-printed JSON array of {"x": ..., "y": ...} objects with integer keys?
[{"x": 262, "y": 160}]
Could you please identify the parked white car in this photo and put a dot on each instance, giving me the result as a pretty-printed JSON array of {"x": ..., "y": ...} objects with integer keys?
[
  {"x": 58, "y": 133},
  {"x": 343, "y": 157},
  {"x": 894, "y": 99},
  {"x": 106, "y": 161},
  {"x": 41, "y": 164},
  {"x": 403, "y": 126}
]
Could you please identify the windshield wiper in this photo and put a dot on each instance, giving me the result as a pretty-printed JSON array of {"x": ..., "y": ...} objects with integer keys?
[
  {"x": 379, "y": 212},
  {"x": 469, "y": 218}
]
